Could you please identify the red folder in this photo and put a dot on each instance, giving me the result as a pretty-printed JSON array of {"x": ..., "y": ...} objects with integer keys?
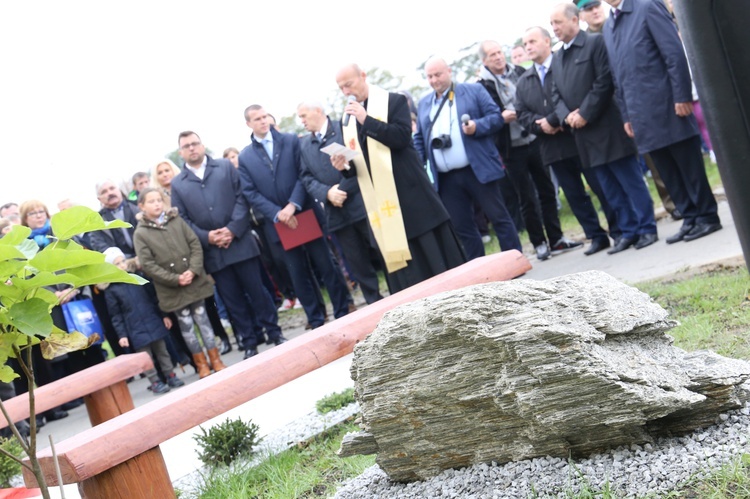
[{"x": 307, "y": 230}]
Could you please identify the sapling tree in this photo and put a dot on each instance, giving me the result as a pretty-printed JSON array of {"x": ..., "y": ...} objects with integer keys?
[{"x": 26, "y": 302}]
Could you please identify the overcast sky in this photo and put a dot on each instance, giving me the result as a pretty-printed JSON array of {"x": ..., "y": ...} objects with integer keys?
[{"x": 101, "y": 89}]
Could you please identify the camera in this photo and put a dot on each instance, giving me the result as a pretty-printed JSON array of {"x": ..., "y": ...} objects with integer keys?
[{"x": 442, "y": 141}]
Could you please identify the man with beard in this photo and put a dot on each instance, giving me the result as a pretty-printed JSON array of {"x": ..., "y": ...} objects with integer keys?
[{"x": 209, "y": 198}]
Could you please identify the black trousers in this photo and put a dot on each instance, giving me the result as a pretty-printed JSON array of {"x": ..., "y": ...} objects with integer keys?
[
  {"x": 568, "y": 173},
  {"x": 357, "y": 246},
  {"x": 531, "y": 178},
  {"x": 681, "y": 167},
  {"x": 459, "y": 189}
]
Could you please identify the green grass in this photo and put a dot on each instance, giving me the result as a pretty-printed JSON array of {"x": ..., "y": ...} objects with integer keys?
[
  {"x": 311, "y": 469},
  {"x": 713, "y": 310},
  {"x": 731, "y": 481}
]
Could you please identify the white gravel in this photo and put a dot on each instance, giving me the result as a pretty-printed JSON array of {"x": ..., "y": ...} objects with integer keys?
[{"x": 649, "y": 470}]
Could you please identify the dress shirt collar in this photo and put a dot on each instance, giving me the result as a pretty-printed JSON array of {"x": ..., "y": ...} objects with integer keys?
[
  {"x": 200, "y": 170},
  {"x": 566, "y": 46}
]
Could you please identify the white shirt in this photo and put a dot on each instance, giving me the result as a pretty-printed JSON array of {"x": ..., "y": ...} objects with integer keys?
[{"x": 201, "y": 170}]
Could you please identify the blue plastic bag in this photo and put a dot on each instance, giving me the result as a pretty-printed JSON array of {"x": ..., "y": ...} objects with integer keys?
[{"x": 80, "y": 315}]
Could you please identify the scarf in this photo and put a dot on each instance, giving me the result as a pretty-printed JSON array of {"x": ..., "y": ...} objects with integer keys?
[
  {"x": 506, "y": 90},
  {"x": 42, "y": 235}
]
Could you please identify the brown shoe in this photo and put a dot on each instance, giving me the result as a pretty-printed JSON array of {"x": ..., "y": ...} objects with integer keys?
[
  {"x": 201, "y": 364},
  {"x": 216, "y": 363}
]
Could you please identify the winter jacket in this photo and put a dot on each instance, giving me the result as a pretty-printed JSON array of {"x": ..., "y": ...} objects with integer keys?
[
  {"x": 135, "y": 314},
  {"x": 165, "y": 251}
]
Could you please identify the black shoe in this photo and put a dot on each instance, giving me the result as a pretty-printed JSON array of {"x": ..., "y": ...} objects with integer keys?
[
  {"x": 701, "y": 230},
  {"x": 55, "y": 414},
  {"x": 563, "y": 245},
  {"x": 226, "y": 347},
  {"x": 72, "y": 404},
  {"x": 676, "y": 238},
  {"x": 40, "y": 421},
  {"x": 646, "y": 240},
  {"x": 597, "y": 245},
  {"x": 676, "y": 214},
  {"x": 277, "y": 341},
  {"x": 250, "y": 352},
  {"x": 623, "y": 244}
]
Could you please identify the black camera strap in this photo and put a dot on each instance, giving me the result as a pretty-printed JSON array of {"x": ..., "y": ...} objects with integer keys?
[{"x": 448, "y": 97}]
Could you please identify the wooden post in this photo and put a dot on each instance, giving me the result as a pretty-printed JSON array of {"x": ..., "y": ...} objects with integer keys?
[
  {"x": 109, "y": 402},
  {"x": 145, "y": 476}
]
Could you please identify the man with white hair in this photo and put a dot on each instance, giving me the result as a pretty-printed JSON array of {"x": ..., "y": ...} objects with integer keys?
[
  {"x": 345, "y": 210},
  {"x": 115, "y": 206}
]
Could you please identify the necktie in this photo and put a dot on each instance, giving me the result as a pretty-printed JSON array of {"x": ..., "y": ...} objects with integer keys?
[
  {"x": 318, "y": 136},
  {"x": 268, "y": 146},
  {"x": 616, "y": 13},
  {"x": 542, "y": 73}
]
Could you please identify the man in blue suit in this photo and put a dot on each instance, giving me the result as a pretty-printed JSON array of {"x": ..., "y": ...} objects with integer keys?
[
  {"x": 208, "y": 196},
  {"x": 655, "y": 96},
  {"x": 462, "y": 156},
  {"x": 270, "y": 172}
]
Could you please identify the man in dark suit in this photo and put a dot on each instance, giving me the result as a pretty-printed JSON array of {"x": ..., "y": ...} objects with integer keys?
[
  {"x": 463, "y": 158},
  {"x": 655, "y": 96},
  {"x": 520, "y": 152},
  {"x": 345, "y": 210},
  {"x": 270, "y": 172},
  {"x": 114, "y": 206},
  {"x": 556, "y": 144},
  {"x": 209, "y": 198},
  {"x": 583, "y": 96},
  {"x": 410, "y": 223}
]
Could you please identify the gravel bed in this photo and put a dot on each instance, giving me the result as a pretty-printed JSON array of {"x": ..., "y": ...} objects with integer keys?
[
  {"x": 649, "y": 470},
  {"x": 279, "y": 440}
]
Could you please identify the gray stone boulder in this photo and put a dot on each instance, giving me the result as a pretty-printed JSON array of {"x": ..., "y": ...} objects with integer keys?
[{"x": 514, "y": 370}]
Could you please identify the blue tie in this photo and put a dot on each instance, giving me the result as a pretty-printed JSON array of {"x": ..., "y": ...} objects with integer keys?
[
  {"x": 268, "y": 146},
  {"x": 542, "y": 73}
]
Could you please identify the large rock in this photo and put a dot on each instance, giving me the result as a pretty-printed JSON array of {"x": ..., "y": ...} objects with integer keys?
[{"x": 514, "y": 370}]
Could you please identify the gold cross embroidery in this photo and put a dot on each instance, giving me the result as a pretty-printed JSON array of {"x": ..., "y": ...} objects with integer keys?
[
  {"x": 388, "y": 208},
  {"x": 375, "y": 219}
]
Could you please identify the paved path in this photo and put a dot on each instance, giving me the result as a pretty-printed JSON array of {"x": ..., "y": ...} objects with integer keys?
[{"x": 281, "y": 406}]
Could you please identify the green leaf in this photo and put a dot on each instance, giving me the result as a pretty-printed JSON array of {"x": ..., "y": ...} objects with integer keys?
[
  {"x": 104, "y": 272},
  {"x": 31, "y": 317},
  {"x": 7, "y": 374},
  {"x": 10, "y": 294},
  {"x": 11, "y": 253},
  {"x": 46, "y": 295},
  {"x": 17, "y": 234},
  {"x": 57, "y": 344},
  {"x": 43, "y": 279},
  {"x": 28, "y": 247},
  {"x": 53, "y": 260},
  {"x": 10, "y": 268},
  {"x": 80, "y": 219}
]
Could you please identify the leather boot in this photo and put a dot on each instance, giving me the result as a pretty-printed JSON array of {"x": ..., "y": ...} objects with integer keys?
[
  {"x": 201, "y": 364},
  {"x": 216, "y": 363}
]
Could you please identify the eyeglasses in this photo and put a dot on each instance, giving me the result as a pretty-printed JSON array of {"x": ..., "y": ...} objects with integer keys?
[
  {"x": 36, "y": 213},
  {"x": 185, "y": 147}
]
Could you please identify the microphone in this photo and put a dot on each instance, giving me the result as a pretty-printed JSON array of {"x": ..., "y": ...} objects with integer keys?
[
  {"x": 465, "y": 118},
  {"x": 349, "y": 99}
]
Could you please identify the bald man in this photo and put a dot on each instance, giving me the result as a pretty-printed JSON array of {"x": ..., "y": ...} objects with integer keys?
[
  {"x": 462, "y": 155},
  {"x": 411, "y": 226}
]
